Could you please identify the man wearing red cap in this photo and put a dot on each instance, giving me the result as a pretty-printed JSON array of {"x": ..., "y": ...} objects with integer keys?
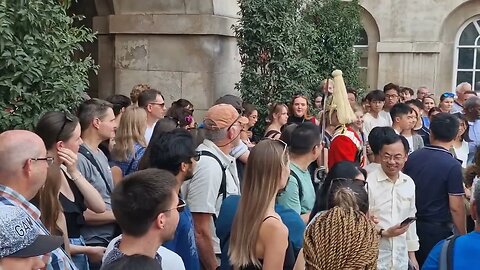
[{"x": 215, "y": 177}]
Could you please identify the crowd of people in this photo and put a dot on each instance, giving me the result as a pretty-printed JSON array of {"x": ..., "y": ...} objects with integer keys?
[{"x": 335, "y": 181}]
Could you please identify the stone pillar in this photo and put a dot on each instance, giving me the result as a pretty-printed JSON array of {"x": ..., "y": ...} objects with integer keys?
[{"x": 185, "y": 48}]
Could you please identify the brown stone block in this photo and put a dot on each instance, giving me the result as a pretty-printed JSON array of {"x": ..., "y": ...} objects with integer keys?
[
  {"x": 197, "y": 88},
  {"x": 169, "y": 83},
  {"x": 149, "y": 6},
  {"x": 182, "y": 53},
  {"x": 131, "y": 52},
  {"x": 199, "y": 7}
]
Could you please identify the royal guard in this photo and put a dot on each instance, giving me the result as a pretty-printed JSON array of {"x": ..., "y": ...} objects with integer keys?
[{"x": 346, "y": 144}]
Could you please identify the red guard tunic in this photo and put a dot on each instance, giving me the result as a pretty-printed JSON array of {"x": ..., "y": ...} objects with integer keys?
[{"x": 346, "y": 145}]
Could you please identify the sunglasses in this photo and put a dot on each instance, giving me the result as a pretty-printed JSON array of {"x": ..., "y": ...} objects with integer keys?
[
  {"x": 180, "y": 207},
  {"x": 447, "y": 94},
  {"x": 67, "y": 119},
  {"x": 197, "y": 155}
]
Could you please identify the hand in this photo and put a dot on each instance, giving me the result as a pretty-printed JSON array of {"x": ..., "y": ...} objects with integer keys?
[
  {"x": 373, "y": 218},
  {"x": 95, "y": 254},
  {"x": 396, "y": 230},
  {"x": 413, "y": 260},
  {"x": 68, "y": 158}
]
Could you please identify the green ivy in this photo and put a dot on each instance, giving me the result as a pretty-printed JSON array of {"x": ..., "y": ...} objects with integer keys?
[
  {"x": 38, "y": 68},
  {"x": 290, "y": 46}
]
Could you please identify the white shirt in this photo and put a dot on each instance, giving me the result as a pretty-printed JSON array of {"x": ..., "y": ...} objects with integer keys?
[
  {"x": 201, "y": 192},
  {"x": 369, "y": 122},
  {"x": 149, "y": 132},
  {"x": 372, "y": 167},
  {"x": 461, "y": 153},
  {"x": 410, "y": 143},
  {"x": 170, "y": 259},
  {"x": 392, "y": 203}
]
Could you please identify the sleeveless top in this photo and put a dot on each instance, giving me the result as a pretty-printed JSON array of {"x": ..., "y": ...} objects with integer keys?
[
  {"x": 288, "y": 262},
  {"x": 73, "y": 211}
]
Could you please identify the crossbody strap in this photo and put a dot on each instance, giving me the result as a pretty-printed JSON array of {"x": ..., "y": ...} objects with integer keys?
[{"x": 86, "y": 153}]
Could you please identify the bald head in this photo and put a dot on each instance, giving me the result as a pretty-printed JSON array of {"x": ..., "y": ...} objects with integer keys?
[{"x": 16, "y": 147}]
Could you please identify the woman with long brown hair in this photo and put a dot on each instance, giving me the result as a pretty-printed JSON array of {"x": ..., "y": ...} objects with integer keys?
[
  {"x": 299, "y": 110},
  {"x": 66, "y": 193},
  {"x": 259, "y": 239},
  {"x": 277, "y": 118}
]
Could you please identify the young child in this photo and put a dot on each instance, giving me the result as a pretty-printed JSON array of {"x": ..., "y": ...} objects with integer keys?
[{"x": 376, "y": 117}]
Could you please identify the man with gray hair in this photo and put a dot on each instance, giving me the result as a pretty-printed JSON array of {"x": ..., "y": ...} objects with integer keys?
[
  {"x": 472, "y": 114},
  {"x": 461, "y": 250},
  {"x": 214, "y": 178},
  {"x": 460, "y": 100}
]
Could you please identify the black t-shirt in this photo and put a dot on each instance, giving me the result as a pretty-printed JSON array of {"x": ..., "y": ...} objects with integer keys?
[{"x": 73, "y": 211}]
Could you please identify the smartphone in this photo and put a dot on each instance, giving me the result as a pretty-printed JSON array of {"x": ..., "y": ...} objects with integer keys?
[{"x": 407, "y": 221}]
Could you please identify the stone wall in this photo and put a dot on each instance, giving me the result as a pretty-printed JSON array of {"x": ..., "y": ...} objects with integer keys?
[
  {"x": 414, "y": 40},
  {"x": 185, "y": 48}
]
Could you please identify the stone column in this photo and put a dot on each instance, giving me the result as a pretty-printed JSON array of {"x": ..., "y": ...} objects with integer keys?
[{"x": 185, "y": 48}]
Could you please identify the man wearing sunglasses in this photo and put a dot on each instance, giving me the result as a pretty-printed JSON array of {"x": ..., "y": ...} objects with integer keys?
[
  {"x": 23, "y": 170},
  {"x": 147, "y": 208},
  {"x": 175, "y": 152},
  {"x": 391, "y": 195},
  {"x": 154, "y": 104}
]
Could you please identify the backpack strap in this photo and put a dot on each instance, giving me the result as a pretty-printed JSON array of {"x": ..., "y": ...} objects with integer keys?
[
  {"x": 300, "y": 188},
  {"x": 446, "y": 254},
  {"x": 272, "y": 133},
  {"x": 223, "y": 186},
  {"x": 89, "y": 156}
]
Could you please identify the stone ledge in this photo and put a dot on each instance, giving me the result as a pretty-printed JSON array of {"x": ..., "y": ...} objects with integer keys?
[
  {"x": 171, "y": 24},
  {"x": 408, "y": 47}
]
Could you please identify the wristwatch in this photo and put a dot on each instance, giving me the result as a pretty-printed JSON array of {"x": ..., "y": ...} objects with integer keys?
[{"x": 380, "y": 232}]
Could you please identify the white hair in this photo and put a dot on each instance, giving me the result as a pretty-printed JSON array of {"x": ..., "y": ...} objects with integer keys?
[{"x": 462, "y": 86}]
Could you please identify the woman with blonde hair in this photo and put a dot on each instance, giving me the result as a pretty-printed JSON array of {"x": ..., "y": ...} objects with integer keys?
[
  {"x": 66, "y": 194},
  {"x": 130, "y": 142},
  {"x": 259, "y": 239},
  {"x": 277, "y": 118}
]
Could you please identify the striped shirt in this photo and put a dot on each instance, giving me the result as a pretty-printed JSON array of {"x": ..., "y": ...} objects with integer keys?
[{"x": 59, "y": 259}]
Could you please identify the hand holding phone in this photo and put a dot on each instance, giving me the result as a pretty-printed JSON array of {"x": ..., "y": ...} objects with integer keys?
[{"x": 407, "y": 221}]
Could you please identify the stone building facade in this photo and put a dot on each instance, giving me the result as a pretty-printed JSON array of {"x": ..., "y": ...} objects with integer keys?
[{"x": 187, "y": 48}]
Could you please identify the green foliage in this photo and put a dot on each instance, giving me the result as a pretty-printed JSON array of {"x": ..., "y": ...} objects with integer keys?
[
  {"x": 290, "y": 46},
  {"x": 38, "y": 68}
]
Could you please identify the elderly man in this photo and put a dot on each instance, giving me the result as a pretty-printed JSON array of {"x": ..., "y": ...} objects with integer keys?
[
  {"x": 472, "y": 113},
  {"x": 214, "y": 178},
  {"x": 422, "y": 92},
  {"x": 460, "y": 91},
  {"x": 23, "y": 171}
]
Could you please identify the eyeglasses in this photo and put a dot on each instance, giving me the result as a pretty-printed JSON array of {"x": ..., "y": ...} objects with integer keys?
[
  {"x": 180, "y": 207},
  {"x": 157, "y": 103},
  {"x": 396, "y": 158},
  {"x": 236, "y": 120},
  {"x": 285, "y": 145},
  {"x": 197, "y": 155},
  {"x": 391, "y": 96},
  {"x": 447, "y": 94},
  {"x": 67, "y": 118},
  {"x": 49, "y": 160}
]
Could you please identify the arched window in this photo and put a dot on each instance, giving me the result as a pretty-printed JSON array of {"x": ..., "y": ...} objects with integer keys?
[
  {"x": 362, "y": 47},
  {"x": 467, "y": 55}
]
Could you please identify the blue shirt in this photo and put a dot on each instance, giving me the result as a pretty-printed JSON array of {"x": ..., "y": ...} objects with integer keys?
[
  {"x": 437, "y": 174},
  {"x": 474, "y": 136},
  {"x": 224, "y": 222},
  {"x": 465, "y": 252},
  {"x": 131, "y": 164},
  {"x": 183, "y": 242}
]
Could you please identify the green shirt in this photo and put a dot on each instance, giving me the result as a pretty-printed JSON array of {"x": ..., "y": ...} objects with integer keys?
[{"x": 291, "y": 196}]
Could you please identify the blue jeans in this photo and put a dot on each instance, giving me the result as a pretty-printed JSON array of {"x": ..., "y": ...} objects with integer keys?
[{"x": 80, "y": 260}]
